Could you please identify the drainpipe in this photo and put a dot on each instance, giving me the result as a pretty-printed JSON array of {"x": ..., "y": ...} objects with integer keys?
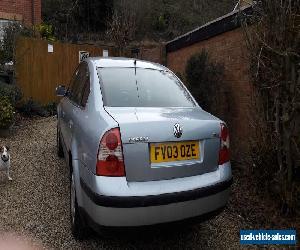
[{"x": 32, "y": 12}]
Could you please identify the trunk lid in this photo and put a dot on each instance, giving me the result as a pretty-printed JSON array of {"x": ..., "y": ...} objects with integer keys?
[{"x": 142, "y": 127}]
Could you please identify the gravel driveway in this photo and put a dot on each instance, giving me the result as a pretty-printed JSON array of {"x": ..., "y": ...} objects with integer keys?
[{"x": 36, "y": 203}]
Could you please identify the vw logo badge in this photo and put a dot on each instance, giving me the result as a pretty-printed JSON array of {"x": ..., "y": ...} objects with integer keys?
[{"x": 177, "y": 130}]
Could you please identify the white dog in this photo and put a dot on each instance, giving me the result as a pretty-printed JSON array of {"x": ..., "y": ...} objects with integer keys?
[{"x": 5, "y": 160}]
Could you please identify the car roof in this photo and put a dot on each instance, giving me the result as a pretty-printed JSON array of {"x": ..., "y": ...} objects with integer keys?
[{"x": 123, "y": 62}]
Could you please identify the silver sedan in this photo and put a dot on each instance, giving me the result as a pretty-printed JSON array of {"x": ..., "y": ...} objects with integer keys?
[{"x": 139, "y": 148}]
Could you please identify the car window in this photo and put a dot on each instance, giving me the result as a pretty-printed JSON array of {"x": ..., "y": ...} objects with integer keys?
[
  {"x": 77, "y": 88},
  {"x": 119, "y": 87},
  {"x": 86, "y": 90},
  {"x": 71, "y": 85},
  {"x": 161, "y": 89},
  {"x": 138, "y": 87}
]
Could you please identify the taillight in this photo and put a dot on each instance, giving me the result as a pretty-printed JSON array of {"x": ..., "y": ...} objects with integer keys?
[
  {"x": 110, "y": 155},
  {"x": 224, "y": 155}
]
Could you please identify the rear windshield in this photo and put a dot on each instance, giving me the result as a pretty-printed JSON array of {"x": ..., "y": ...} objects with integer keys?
[{"x": 139, "y": 87}]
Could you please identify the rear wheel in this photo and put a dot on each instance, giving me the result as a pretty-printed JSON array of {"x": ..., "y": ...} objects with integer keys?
[
  {"x": 60, "y": 152},
  {"x": 77, "y": 225}
]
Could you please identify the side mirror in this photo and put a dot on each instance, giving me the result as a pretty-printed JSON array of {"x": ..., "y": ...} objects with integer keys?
[{"x": 61, "y": 90}]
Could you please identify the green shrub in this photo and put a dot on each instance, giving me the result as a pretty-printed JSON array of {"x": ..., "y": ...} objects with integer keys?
[
  {"x": 46, "y": 31},
  {"x": 204, "y": 79},
  {"x": 10, "y": 91},
  {"x": 160, "y": 23},
  {"x": 51, "y": 108},
  {"x": 6, "y": 113},
  {"x": 7, "y": 43},
  {"x": 32, "y": 108}
]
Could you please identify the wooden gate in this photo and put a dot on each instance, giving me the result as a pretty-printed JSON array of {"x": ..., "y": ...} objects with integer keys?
[{"x": 40, "y": 66}]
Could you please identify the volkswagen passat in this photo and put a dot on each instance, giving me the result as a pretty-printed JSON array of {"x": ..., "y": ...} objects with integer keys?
[{"x": 140, "y": 149}]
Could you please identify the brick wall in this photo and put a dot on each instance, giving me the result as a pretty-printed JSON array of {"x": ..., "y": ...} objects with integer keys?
[
  {"x": 228, "y": 48},
  {"x": 27, "y": 11},
  {"x": 153, "y": 53}
]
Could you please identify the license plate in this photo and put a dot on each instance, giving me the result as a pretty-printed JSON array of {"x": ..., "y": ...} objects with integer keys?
[{"x": 174, "y": 151}]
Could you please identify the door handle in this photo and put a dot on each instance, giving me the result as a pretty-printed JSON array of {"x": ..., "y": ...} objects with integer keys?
[
  {"x": 70, "y": 124},
  {"x": 63, "y": 114}
]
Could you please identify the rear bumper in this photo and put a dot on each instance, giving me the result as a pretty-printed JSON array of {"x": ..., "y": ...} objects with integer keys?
[
  {"x": 132, "y": 211},
  {"x": 103, "y": 230},
  {"x": 154, "y": 200},
  {"x": 114, "y": 202},
  {"x": 142, "y": 216}
]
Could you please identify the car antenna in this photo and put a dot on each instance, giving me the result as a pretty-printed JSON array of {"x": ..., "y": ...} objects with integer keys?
[{"x": 134, "y": 66}]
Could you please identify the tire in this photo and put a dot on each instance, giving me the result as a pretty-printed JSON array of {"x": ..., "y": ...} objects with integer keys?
[
  {"x": 79, "y": 231},
  {"x": 60, "y": 151}
]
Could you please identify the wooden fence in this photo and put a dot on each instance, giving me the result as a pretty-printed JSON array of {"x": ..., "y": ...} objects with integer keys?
[{"x": 39, "y": 69}]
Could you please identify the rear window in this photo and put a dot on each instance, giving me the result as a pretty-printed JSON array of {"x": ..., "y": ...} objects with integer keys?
[{"x": 138, "y": 87}]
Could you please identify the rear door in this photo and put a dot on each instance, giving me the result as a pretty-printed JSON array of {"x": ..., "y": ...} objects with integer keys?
[
  {"x": 73, "y": 104},
  {"x": 80, "y": 115},
  {"x": 65, "y": 111}
]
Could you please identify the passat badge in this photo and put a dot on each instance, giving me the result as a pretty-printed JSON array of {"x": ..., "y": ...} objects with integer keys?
[
  {"x": 177, "y": 130},
  {"x": 138, "y": 139}
]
